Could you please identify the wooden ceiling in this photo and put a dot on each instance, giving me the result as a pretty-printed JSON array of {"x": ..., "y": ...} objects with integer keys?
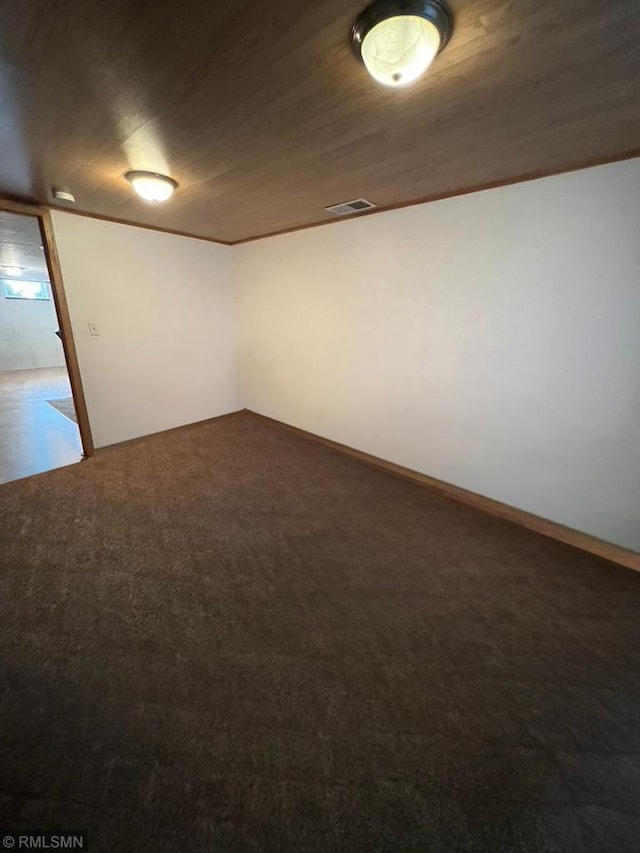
[
  {"x": 21, "y": 246},
  {"x": 261, "y": 113}
]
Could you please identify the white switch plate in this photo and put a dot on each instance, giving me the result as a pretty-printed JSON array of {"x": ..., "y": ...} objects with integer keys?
[{"x": 93, "y": 328}]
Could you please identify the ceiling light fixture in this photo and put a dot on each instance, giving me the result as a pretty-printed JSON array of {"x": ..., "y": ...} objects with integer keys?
[
  {"x": 11, "y": 270},
  {"x": 397, "y": 40},
  {"x": 151, "y": 186}
]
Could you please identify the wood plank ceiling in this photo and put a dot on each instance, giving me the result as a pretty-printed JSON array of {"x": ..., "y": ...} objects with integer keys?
[{"x": 264, "y": 117}]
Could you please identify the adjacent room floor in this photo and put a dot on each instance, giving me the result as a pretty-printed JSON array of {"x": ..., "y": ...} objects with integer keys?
[
  {"x": 34, "y": 435},
  {"x": 231, "y": 638}
]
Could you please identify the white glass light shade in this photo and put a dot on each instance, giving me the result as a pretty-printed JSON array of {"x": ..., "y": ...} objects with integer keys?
[
  {"x": 398, "y": 50},
  {"x": 151, "y": 187}
]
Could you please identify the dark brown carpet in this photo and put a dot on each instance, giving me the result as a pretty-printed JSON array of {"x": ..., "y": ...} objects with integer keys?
[{"x": 230, "y": 638}]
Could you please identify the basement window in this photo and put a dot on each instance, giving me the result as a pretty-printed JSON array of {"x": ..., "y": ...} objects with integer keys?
[{"x": 25, "y": 290}]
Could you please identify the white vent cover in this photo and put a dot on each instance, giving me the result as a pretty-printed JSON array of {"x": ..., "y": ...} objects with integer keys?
[{"x": 347, "y": 207}]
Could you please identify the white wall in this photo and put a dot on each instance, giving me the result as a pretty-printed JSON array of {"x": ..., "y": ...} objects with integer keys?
[
  {"x": 491, "y": 340},
  {"x": 164, "y": 305},
  {"x": 27, "y": 334}
]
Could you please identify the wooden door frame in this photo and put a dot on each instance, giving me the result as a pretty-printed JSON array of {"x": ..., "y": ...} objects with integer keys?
[{"x": 43, "y": 216}]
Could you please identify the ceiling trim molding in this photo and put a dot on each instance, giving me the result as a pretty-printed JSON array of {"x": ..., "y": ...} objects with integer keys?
[
  {"x": 31, "y": 209},
  {"x": 137, "y": 224},
  {"x": 22, "y": 208},
  {"x": 490, "y": 185}
]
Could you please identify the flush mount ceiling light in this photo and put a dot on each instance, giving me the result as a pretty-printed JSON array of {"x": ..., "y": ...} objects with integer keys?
[
  {"x": 151, "y": 186},
  {"x": 397, "y": 40},
  {"x": 11, "y": 270}
]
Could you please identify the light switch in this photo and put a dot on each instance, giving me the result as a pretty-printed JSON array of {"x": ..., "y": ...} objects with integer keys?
[{"x": 93, "y": 328}]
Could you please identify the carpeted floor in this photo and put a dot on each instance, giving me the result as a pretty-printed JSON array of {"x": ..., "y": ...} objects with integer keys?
[{"x": 229, "y": 638}]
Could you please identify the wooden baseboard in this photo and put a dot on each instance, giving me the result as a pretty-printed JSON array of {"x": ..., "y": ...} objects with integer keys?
[
  {"x": 583, "y": 541},
  {"x": 167, "y": 431}
]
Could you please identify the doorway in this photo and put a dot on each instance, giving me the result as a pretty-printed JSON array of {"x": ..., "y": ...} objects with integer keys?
[{"x": 43, "y": 419}]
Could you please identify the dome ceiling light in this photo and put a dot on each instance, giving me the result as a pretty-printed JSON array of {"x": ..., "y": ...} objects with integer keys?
[
  {"x": 151, "y": 186},
  {"x": 397, "y": 40}
]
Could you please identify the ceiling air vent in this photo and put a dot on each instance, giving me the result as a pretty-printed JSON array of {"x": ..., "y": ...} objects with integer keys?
[{"x": 348, "y": 207}]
